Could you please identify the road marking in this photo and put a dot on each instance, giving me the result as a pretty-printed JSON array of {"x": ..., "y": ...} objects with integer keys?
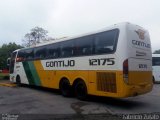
[{"x": 8, "y": 84}]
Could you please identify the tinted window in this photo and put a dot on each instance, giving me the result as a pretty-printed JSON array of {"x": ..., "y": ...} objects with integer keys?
[
  {"x": 21, "y": 56},
  {"x": 67, "y": 48},
  {"x": 29, "y": 54},
  {"x": 105, "y": 42},
  {"x": 53, "y": 50},
  {"x": 156, "y": 61},
  {"x": 40, "y": 52},
  {"x": 84, "y": 45}
]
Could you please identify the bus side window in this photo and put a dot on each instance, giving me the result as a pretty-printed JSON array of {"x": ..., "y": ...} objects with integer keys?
[
  {"x": 50, "y": 51},
  {"x": 105, "y": 42},
  {"x": 29, "y": 54},
  {"x": 40, "y": 52},
  {"x": 67, "y": 48},
  {"x": 84, "y": 46},
  {"x": 20, "y": 56},
  {"x": 53, "y": 50}
]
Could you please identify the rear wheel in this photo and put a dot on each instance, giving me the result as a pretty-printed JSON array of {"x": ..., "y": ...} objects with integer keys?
[
  {"x": 81, "y": 90},
  {"x": 65, "y": 88}
]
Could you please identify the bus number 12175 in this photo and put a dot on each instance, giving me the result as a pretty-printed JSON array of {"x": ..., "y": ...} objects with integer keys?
[{"x": 102, "y": 61}]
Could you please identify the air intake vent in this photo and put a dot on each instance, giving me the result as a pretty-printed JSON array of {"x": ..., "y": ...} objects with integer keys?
[{"x": 106, "y": 81}]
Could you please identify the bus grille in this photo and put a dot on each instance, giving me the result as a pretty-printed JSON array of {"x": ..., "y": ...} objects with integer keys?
[{"x": 106, "y": 81}]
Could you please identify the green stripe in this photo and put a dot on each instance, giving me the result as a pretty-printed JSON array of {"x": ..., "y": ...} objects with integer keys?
[
  {"x": 28, "y": 73},
  {"x": 34, "y": 74},
  {"x": 31, "y": 73}
]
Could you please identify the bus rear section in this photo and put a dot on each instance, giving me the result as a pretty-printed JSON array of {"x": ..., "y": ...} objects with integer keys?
[{"x": 137, "y": 68}]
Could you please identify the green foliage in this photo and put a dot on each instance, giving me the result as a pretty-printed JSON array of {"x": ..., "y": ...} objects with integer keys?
[
  {"x": 4, "y": 76},
  {"x": 156, "y": 52},
  {"x": 5, "y": 52}
]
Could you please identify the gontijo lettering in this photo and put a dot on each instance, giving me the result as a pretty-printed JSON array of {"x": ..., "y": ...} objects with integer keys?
[
  {"x": 60, "y": 63},
  {"x": 141, "y": 44}
]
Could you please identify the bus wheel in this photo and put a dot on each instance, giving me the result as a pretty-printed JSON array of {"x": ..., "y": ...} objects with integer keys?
[
  {"x": 81, "y": 90},
  {"x": 65, "y": 87},
  {"x": 18, "y": 80}
]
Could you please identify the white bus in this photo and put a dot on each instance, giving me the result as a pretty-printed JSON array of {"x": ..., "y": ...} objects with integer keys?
[
  {"x": 156, "y": 67},
  {"x": 113, "y": 62}
]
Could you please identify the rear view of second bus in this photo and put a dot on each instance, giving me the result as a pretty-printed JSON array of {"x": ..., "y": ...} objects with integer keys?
[{"x": 156, "y": 67}]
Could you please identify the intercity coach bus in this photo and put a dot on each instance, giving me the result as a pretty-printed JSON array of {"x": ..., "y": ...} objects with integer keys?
[{"x": 114, "y": 62}]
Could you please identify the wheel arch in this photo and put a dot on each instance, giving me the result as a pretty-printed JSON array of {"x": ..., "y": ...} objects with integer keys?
[{"x": 63, "y": 78}]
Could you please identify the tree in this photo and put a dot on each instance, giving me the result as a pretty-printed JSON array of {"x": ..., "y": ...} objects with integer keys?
[
  {"x": 5, "y": 52},
  {"x": 156, "y": 52},
  {"x": 27, "y": 41},
  {"x": 36, "y": 35}
]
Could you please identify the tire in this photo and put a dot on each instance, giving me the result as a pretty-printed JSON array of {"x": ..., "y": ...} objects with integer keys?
[
  {"x": 18, "y": 81},
  {"x": 65, "y": 88},
  {"x": 81, "y": 90}
]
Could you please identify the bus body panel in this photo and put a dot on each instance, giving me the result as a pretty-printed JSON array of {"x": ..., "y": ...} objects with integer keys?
[
  {"x": 19, "y": 70},
  {"x": 139, "y": 71}
]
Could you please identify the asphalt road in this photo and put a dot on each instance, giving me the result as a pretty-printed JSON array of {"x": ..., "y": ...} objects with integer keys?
[{"x": 32, "y": 100}]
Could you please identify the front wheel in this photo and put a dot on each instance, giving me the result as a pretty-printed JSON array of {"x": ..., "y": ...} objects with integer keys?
[
  {"x": 81, "y": 90},
  {"x": 18, "y": 81}
]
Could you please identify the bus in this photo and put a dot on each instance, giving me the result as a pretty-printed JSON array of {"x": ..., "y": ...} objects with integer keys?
[
  {"x": 113, "y": 62},
  {"x": 156, "y": 67}
]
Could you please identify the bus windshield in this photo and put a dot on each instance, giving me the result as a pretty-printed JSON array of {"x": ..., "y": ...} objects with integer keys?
[{"x": 12, "y": 62}]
